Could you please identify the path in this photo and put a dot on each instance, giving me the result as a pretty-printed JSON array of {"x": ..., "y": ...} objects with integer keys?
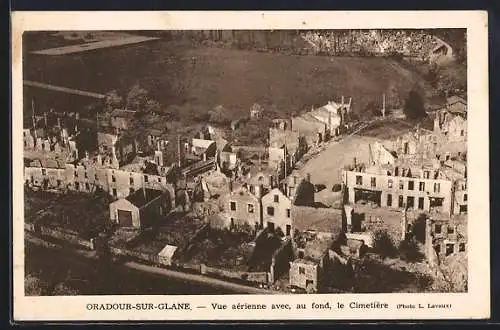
[
  {"x": 93, "y": 45},
  {"x": 63, "y": 89}
]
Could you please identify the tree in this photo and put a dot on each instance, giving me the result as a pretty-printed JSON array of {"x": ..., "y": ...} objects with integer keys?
[
  {"x": 452, "y": 80},
  {"x": 383, "y": 244},
  {"x": 253, "y": 133},
  {"x": 418, "y": 228},
  {"x": 33, "y": 286},
  {"x": 152, "y": 106},
  {"x": 371, "y": 108},
  {"x": 192, "y": 113},
  {"x": 61, "y": 289},
  {"x": 220, "y": 115},
  {"x": 136, "y": 98},
  {"x": 113, "y": 100},
  {"x": 409, "y": 250},
  {"x": 414, "y": 106}
]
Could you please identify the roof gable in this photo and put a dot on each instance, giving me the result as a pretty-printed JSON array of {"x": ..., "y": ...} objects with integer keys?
[
  {"x": 276, "y": 191},
  {"x": 123, "y": 203},
  {"x": 200, "y": 143},
  {"x": 143, "y": 196}
]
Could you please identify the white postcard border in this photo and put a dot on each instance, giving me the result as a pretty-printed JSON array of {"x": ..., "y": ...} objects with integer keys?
[{"x": 474, "y": 304}]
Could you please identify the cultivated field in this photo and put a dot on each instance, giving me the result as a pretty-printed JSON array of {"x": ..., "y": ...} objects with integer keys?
[{"x": 176, "y": 73}]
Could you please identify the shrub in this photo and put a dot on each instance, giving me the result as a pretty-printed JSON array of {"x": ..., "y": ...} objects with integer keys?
[
  {"x": 414, "y": 106},
  {"x": 336, "y": 187},
  {"x": 409, "y": 250},
  {"x": 383, "y": 244}
]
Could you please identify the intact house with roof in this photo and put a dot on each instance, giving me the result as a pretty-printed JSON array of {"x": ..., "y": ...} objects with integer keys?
[
  {"x": 313, "y": 130},
  {"x": 203, "y": 148},
  {"x": 140, "y": 209},
  {"x": 333, "y": 115},
  {"x": 277, "y": 212},
  {"x": 243, "y": 208}
]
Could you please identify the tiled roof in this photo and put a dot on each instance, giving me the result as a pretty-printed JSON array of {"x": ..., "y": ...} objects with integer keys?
[{"x": 142, "y": 197}]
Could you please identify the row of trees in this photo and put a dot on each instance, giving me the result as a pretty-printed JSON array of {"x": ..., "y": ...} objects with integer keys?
[{"x": 137, "y": 99}]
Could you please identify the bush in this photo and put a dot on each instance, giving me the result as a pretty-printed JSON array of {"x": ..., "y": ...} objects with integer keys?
[
  {"x": 409, "y": 250},
  {"x": 336, "y": 187},
  {"x": 418, "y": 228},
  {"x": 383, "y": 244},
  {"x": 414, "y": 106}
]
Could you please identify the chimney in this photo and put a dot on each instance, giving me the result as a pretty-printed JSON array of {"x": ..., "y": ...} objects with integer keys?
[
  {"x": 180, "y": 152},
  {"x": 342, "y": 100},
  {"x": 354, "y": 161},
  {"x": 348, "y": 214},
  {"x": 404, "y": 224},
  {"x": 258, "y": 191},
  {"x": 33, "y": 115},
  {"x": 59, "y": 122},
  {"x": 45, "y": 119}
]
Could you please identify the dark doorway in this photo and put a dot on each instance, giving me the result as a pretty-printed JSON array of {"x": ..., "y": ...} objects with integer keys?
[
  {"x": 449, "y": 248},
  {"x": 410, "y": 202},
  {"x": 288, "y": 230},
  {"x": 270, "y": 225},
  {"x": 372, "y": 196},
  {"x": 125, "y": 218},
  {"x": 420, "y": 203}
]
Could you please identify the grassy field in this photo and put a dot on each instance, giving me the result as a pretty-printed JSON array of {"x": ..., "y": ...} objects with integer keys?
[
  {"x": 178, "y": 74},
  {"x": 386, "y": 130}
]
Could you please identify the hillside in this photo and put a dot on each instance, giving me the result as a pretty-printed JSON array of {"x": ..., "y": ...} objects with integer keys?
[{"x": 174, "y": 73}]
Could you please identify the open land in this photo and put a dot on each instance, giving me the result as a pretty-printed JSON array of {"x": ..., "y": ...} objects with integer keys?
[
  {"x": 178, "y": 73},
  {"x": 92, "y": 46}
]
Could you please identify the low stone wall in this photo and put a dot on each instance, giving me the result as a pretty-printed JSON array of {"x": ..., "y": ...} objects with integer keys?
[
  {"x": 257, "y": 277},
  {"x": 148, "y": 257},
  {"x": 58, "y": 234}
]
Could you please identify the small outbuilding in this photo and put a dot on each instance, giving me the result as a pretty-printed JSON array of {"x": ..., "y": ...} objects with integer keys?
[
  {"x": 166, "y": 255},
  {"x": 140, "y": 208}
]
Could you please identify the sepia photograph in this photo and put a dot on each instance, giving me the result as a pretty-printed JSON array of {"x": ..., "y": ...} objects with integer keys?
[{"x": 237, "y": 161}]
